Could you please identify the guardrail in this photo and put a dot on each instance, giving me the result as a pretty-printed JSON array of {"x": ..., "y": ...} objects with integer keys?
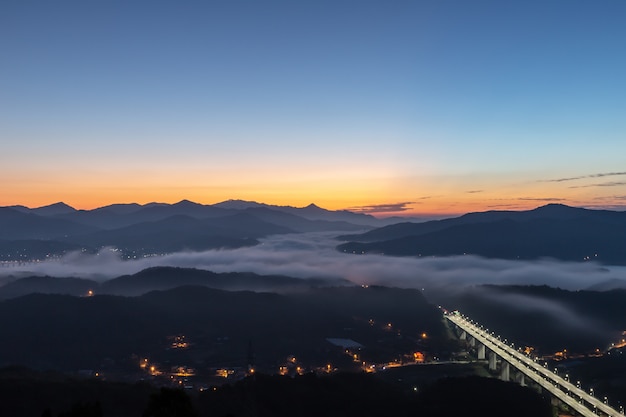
[{"x": 576, "y": 398}]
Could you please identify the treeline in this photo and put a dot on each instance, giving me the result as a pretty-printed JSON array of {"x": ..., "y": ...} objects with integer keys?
[
  {"x": 337, "y": 395},
  {"x": 90, "y": 332}
]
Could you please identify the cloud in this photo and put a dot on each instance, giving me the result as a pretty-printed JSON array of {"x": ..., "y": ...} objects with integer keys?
[
  {"x": 600, "y": 175},
  {"x": 540, "y": 199},
  {"x": 474, "y": 191},
  {"x": 607, "y": 202},
  {"x": 609, "y": 197},
  {"x": 383, "y": 208},
  {"x": 314, "y": 255},
  {"x": 505, "y": 206},
  {"x": 601, "y": 184}
]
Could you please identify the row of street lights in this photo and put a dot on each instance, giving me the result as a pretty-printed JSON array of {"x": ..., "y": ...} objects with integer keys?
[{"x": 578, "y": 384}]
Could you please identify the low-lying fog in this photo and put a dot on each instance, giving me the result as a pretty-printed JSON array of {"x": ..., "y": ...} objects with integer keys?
[{"x": 314, "y": 255}]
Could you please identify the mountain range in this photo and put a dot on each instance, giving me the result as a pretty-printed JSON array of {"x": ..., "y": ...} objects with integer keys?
[
  {"x": 552, "y": 231},
  {"x": 28, "y": 234}
]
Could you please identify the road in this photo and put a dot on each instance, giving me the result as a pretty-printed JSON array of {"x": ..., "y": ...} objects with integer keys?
[{"x": 576, "y": 398}]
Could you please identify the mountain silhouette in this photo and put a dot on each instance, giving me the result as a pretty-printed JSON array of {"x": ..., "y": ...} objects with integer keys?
[
  {"x": 158, "y": 228},
  {"x": 163, "y": 278},
  {"x": 15, "y": 224},
  {"x": 553, "y": 231}
]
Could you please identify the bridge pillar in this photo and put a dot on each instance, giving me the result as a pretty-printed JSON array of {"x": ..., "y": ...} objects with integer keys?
[
  {"x": 492, "y": 361},
  {"x": 504, "y": 373},
  {"x": 463, "y": 335},
  {"x": 481, "y": 351},
  {"x": 519, "y": 378},
  {"x": 472, "y": 341}
]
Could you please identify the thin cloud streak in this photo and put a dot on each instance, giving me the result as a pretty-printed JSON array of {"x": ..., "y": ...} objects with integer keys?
[
  {"x": 600, "y": 175},
  {"x": 547, "y": 199},
  {"x": 383, "y": 208},
  {"x": 610, "y": 198},
  {"x": 601, "y": 184},
  {"x": 313, "y": 255}
]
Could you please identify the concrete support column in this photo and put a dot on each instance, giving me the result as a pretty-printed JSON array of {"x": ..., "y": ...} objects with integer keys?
[
  {"x": 519, "y": 378},
  {"x": 472, "y": 341},
  {"x": 463, "y": 335},
  {"x": 492, "y": 361},
  {"x": 504, "y": 373},
  {"x": 481, "y": 351}
]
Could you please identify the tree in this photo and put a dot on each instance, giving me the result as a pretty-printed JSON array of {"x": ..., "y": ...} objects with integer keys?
[
  {"x": 88, "y": 409},
  {"x": 169, "y": 403}
]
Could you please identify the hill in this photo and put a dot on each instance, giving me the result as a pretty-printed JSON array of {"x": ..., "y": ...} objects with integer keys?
[
  {"x": 163, "y": 278},
  {"x": 106, "y": 332},
  {"x": 16, "y": 224},
  {"x": 553, "y": 231},
  {"x": 157, "y": 228}
]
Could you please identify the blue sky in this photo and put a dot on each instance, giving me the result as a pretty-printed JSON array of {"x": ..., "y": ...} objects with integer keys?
[{"x": 448, "y": 106}]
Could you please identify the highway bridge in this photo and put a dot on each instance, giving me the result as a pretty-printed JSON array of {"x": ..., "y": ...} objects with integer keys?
[{"x": 487, "y": 343}]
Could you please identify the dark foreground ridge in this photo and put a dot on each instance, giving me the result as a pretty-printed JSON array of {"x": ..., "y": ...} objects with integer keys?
[
  {"x": 26, "y": 393},
  {"x": 163, "y": 278},
  {"x": 111, "y": 334}
]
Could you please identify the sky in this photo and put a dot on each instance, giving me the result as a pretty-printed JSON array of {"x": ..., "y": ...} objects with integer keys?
[{"x": 402, "y": 107}]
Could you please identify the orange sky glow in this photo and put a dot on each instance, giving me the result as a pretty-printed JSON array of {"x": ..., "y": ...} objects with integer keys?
[
  {"x": 412, "y": 109},
  {"x": 383, "y": 197}
]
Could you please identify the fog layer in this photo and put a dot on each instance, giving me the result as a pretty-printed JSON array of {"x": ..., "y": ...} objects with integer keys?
[{"x": 314, "y": 255}]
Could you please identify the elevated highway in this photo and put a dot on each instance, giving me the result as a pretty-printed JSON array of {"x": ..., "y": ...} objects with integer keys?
[{"x": 576, "y": 398}]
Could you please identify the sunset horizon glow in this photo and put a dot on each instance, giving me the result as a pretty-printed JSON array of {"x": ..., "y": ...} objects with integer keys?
[
  {"x": 427, "y": 206},
  {"x": 425, "y": 108}
]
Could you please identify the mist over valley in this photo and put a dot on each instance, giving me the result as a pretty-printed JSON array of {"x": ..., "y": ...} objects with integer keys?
[{"x": 108, "y": 288}]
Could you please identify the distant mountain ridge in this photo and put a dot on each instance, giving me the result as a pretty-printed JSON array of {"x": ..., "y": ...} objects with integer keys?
[
  {"x": 157, "y": 211},
  {"x": 551, "y": 231},
  {"x": 159, "y": 228}
]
